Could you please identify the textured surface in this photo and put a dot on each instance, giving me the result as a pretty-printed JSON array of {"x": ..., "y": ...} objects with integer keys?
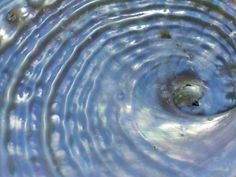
[{"x": 103, "y": 88}]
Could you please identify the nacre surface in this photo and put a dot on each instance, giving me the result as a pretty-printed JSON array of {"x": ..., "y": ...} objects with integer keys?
[{"x": 118, "y": 88}]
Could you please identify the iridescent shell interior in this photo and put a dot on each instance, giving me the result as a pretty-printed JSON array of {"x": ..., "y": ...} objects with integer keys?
[{"x": 118, "y": 88}]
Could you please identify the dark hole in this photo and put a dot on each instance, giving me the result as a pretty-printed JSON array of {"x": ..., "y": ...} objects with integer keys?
[{"x": 195, "y": 103}]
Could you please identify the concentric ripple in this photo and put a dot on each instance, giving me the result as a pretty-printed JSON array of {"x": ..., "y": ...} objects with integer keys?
[{"x": 118, "y": 88}]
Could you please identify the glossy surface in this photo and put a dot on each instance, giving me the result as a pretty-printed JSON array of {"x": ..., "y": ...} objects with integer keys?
[{"x": 117, "y": 88}]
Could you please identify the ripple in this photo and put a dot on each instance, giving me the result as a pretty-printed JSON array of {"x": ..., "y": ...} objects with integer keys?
[{"x": 117, "y": 88}]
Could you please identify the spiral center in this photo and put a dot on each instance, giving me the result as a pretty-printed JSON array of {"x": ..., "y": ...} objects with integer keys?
[{"x": 188, "y": 96}]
